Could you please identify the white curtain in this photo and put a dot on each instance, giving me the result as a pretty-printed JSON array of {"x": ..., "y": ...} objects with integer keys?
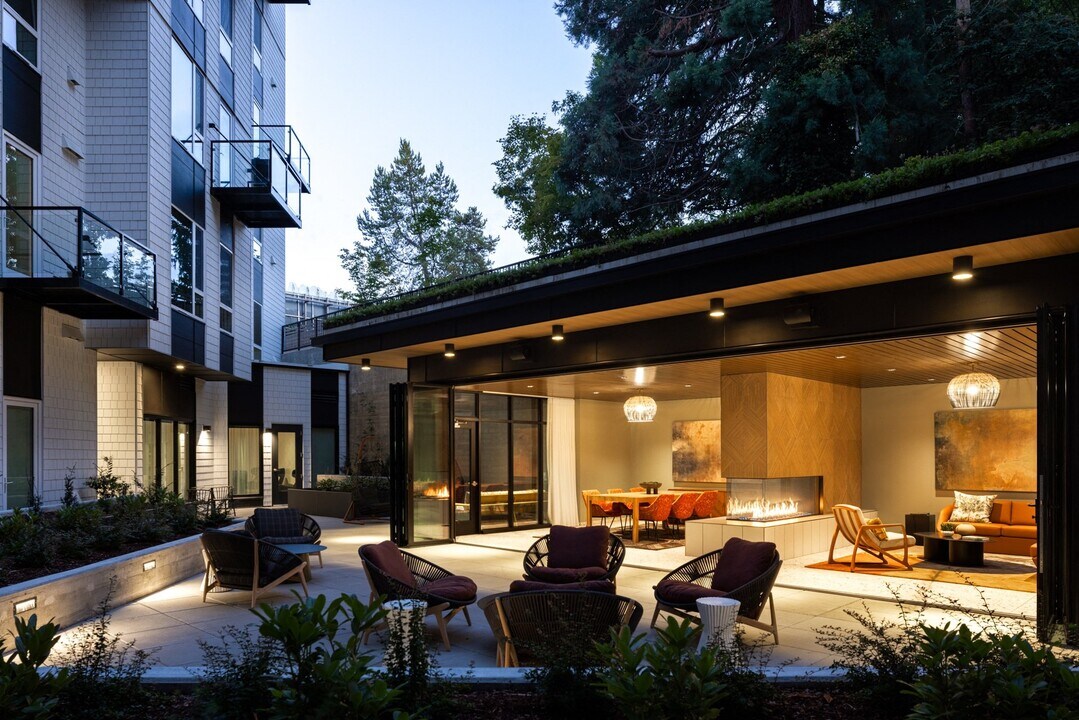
[{"x": 562, "y": 461}]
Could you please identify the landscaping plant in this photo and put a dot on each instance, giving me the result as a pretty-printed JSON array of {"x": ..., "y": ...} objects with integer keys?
[
  {"x": 236, "y": 680},
  {"x": 25, "y": 691}
]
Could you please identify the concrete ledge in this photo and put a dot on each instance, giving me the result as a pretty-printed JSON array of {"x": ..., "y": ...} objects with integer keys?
[{"x": 72, "y": 596}]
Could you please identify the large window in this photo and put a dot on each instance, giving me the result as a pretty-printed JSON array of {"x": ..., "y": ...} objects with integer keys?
[
  {"x": 187, "y": 264},
  {"x": 187, "y": 102},
  {"x": 17, "y": 185},
  {"x": 256, "y": 294},
  {"x": 245, "y": 461},
  {"x": 21, "y": 29},
  {"x": 226, "y": 274},
  {"x": 323, "y": 451},
  {"x": 167, "y": 455}
]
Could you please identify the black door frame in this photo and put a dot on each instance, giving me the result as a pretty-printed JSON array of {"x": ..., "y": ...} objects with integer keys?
[
  {"x": 472, "y": 527},
  {"x": 398, "y": 463},
  {"x": 278, "y": 496}
]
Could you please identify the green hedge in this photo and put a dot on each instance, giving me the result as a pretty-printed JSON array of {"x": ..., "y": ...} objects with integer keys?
[{"x": 915, "y": 173}]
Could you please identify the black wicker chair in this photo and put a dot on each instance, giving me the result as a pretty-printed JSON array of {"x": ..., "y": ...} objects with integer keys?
[
  {"x": 752, "y": 595},
  {"x": 539, "y": 622},
  {"x": 237, "y": 561},
  {"x": 278, "y": 526},
  {"x": 537, "y": 557},
  {"x": 446, "y": 594}
]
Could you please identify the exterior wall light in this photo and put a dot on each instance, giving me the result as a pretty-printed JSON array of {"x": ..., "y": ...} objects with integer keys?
[
  {"x": 450, "y": 351},
  {"x": 716, "y": 308},
  {"x": 963, "y": 267},
  {"x": 365, "y": 364},
  {"x": 25, "y": 606},
  {"x": 556, "y": 333},
  {"x": 149, "y": 565},
  {"x": 180, "y": 367}
]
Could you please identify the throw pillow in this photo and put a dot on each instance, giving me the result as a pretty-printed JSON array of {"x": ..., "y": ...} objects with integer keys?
[
  {"x": 880, "y": 532},
  {"x": 571, "y": 547},
  {"x": 972, "y": 508}
]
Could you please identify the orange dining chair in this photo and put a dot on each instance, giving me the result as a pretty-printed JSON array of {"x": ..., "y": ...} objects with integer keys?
[
  {"x": 682, "y": 509},
  {"x": 658, "y": 511}
]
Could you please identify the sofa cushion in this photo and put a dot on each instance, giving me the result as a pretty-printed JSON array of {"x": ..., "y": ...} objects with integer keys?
[
  {"x": 1022, "y": 513},
  {"x": 677, "y": 592},
  {"x": 571, "y": 547},
  {"x": 565, "y": 575},
  {"x": 1020, "y": 531},
  {"x": 604, "y": 586},
  {"x": 987, "y": 529},
  {"x": 1002, "y": 512},
  {"x": 740, "y": 562},
  {"x": 454, "y": 587},
  {"x": 387, "y": 557},
  {"x": 972, "y": 508}
]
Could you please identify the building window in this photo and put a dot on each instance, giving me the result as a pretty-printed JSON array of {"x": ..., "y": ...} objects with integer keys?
[
  {"x": 196, "y": 7},
  {"x": 187, "y": 262},
  {"x": 256, "y": 35},
  {"x": 187, "y": 102},
  {"x": 166, "y": 455},
  {"x": 20, "y": 29},
  {"x": 245, "y": 461},
  {"x": 17, "y": 185},
  {"x": 226, "y": 18},
  {"x": 323, "y": 451},
  {"x": 227, "y": 259},
  {"x": 256, "y": 293}
]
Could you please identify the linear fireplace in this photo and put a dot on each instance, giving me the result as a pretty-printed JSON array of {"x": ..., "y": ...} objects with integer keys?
[{"x": 770, "y": 499}]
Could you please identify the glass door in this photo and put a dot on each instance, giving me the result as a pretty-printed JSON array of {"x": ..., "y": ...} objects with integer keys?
[
  {"x": 287, "y": 462},
  {"x": 20, "y": 454},
  {"x": 18, "y": 188},
  {"x": 465, "y": 484}
]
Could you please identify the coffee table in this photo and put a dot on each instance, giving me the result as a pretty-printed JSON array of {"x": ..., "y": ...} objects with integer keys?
[
  {"x": 965, "y": 550},
  {"x": 305, "y": 550}
]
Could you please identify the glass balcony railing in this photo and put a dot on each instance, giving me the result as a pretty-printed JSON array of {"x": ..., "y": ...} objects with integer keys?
[
  {"x": 295, "y": 153},
  {"x": 256, "y": 181},
  {"x": 73, "y": 243}
]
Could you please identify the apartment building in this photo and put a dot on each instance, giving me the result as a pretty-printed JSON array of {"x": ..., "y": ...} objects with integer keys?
[{"x": 150, "y": 175}]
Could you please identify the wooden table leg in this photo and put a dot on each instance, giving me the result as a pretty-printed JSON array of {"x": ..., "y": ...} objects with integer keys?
[
  {"x": 588, "y": 511},
  {"x": 636, "y": 518}
]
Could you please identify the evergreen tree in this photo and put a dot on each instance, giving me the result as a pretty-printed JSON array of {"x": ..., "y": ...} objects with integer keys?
[{"x": 413, "y": 233}]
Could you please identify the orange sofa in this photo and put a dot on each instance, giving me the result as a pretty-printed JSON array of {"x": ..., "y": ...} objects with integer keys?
[{"x": 1011, "y": 526}]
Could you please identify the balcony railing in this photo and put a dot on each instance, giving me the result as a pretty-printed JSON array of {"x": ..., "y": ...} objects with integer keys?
[
  {"x": 295, "y": 153},
  {"x": 298, "y": 335},
  {"x": 74, "y": 261},
  {"x": 256, "y": 182}
]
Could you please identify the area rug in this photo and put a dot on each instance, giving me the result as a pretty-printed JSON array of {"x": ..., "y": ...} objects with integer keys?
[
  {"x": 646, "y": 544},
  {"x": 1003, "y": 572}
]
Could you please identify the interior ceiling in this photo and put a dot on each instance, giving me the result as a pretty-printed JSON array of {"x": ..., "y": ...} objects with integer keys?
[
  {"x": 1007, "y": 353},
  {"x": 998, "y": 253}
]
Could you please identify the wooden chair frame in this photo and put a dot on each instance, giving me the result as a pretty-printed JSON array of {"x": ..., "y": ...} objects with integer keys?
[
  {"x": 210, "y": 580},
  {"x": 866, "y": 542}
]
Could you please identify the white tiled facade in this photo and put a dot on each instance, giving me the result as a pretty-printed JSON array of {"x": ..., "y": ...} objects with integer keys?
[{"x": 106, "y": 144}]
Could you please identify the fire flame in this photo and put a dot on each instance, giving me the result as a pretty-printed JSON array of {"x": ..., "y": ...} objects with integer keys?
[
  {"x": 437, "y": 491},
  {"x": 760, "y": 509}
]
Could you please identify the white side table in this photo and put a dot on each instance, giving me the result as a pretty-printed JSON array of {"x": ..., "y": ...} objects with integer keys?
[
  {"x": 717, "y": 621},
  {"x": 399, "y": 614}
]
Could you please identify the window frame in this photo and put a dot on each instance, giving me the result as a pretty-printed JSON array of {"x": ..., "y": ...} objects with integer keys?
[
  {"x": 35, "y": 192},
  {"x": 18, "y": 20},
  {"x": 37, "y": 407},
  {"x": 197, "y": 103},
  {"x": 198, "y": 299}
]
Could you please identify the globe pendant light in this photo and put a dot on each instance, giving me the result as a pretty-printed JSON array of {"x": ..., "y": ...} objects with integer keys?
[
  {"x": 974, "y": 390},
  {"x": 640, "y": 408}
]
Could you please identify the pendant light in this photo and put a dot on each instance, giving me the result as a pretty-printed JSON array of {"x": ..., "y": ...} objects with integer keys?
[
  {"x": 974, "y": 390},
  {"x": 640, "y": 409}
]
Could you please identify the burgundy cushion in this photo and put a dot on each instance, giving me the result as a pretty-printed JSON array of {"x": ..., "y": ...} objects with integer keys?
[
  {"x": 388, "y": 558},
  {"x": 741, "y": 562},
  {"x": 677, "y": 592},
  {"x": 571, "y": 547},
  {"x": 605, "y": 586},
  {"x": 454, "y": 587},
  {"x": 565, "y": 575}
]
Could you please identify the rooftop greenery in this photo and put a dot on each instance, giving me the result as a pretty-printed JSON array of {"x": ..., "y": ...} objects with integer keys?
[{"x": 915, "y": 173}]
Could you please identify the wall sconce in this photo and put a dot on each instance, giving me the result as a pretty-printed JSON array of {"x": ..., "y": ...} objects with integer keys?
[
  {"x": 24, "y": 606},
  {"x": 365, "y": 364},
  {"x": 963, "y": 267},
  {"x": 206, "y": 428},
  {"x": 450, "y": 350},
  {"x": 716, "y": 308},
  {"x": 556, "y": 333}
]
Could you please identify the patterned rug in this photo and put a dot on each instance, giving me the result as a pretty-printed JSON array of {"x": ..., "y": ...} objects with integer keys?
[
  {"x": 1004, "y": 572},
  {"x": 650, "y": 544}
]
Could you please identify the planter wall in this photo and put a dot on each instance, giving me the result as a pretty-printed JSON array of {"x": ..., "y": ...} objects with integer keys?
[
  {"x": 69, "y": 597},
  {"x": 328, "y": 503}
]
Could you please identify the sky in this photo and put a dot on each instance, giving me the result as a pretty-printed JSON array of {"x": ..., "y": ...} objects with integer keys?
[{"x": 447, "y": 76}]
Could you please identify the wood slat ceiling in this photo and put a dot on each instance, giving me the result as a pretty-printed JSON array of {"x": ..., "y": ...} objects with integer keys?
[
  {"x": 1007, "y": 353},
  {"x": 999, "y": 253}
]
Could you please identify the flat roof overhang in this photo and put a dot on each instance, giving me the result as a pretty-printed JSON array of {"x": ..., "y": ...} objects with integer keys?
[
  {"x": 904, "y": 242},
  {"x": 78, "y": 297}
]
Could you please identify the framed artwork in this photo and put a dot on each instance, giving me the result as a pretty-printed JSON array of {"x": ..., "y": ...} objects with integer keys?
[
  {"x": 695, "y": 451},
  {"x": 986, "y": 450}
]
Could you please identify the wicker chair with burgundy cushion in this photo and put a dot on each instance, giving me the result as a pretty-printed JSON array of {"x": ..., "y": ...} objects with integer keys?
[
  {"x": 540, "y": 623},
  {"x": 742, "y": 570},
  {"x": 284, "y": 526},
  {"x": 237, "y": 561},
  {"x": 395, "y": 574},
  {"x": 573, "y": 555}
]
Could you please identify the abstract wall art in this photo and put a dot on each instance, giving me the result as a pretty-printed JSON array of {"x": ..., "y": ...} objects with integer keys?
[
  {"x": 986, "y": 450},
  {"x": 695, "y": 451}
]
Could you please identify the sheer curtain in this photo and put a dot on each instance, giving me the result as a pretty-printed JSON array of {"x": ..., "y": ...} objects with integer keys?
[{"x": 562, "y": 461}]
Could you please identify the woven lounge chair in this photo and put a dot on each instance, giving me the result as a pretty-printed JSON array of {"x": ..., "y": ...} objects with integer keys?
[
  {"x": 537, "y": 623},
  {"x": 742, "y": 570},
  {"x": 571, "y": 555},
  {"x": 394, "y": 574},
  {"x": 237, "y": 561},
  {"x": 284, "y": 526}
]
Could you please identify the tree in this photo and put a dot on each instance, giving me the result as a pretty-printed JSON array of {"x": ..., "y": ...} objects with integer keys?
[{"x": 413, "y": 233}]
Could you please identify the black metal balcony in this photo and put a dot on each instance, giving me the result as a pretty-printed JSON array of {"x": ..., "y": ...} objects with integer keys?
[
  {"x": 256, "y": 181},
  {"x": 295, "y": 153},
  {"x": 68, "y": 259}
]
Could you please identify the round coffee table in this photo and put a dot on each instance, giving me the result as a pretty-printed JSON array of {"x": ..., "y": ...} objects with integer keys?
[{"x": 965, "y": 550}]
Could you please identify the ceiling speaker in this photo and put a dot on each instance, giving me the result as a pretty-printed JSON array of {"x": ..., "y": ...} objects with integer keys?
[
  {"x": 800, "y": 316},
  {"x": 519, "y": 352}
]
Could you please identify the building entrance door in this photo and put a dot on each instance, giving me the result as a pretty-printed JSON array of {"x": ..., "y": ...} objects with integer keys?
[{"x": 287, "y": 461}]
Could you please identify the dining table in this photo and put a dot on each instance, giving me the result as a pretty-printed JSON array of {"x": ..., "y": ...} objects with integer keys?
[{"x": 631, "y": 499}]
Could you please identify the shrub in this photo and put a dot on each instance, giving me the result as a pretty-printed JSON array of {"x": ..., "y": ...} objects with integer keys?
[
  {"x": 69, "y": 499},
  {"x": 25, "y": 692},
  {"x": 669, "y": 678},
  {"x": 26, "y": 540},
  {"x": 235, "y": 683},
  {"x": 567, "y": 678},
  {"x": 107, "y": 483}
]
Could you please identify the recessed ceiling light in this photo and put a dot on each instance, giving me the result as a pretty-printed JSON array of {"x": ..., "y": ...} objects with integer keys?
[
  {"x": 595, "y": 392},
  {"x": 688, "y": 385},
  {"x": 931, "y": 380},
  {"x": 840, "y": 357},
  {"x": 530, "y": 386},
  {"x": 891, "y": 369}
]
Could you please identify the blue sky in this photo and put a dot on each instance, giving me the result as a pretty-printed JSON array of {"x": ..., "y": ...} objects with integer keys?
[{"x": 448, "y": 76}]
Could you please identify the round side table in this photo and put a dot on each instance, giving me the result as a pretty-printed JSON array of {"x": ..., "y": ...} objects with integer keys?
[{"x": 717, "y": 621}]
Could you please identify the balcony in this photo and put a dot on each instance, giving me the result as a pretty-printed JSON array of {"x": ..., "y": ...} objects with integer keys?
[
  {"x": 295, "y": 154},
  {"x": 70, "y": 260},
  {"x": 257, "y": 181}
]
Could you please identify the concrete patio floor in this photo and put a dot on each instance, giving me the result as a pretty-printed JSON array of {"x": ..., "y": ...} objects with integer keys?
[{"x": 173, "y": 621}]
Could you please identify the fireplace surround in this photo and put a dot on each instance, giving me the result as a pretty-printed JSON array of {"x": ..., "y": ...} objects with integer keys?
[{"x": 772, "y": 499}]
